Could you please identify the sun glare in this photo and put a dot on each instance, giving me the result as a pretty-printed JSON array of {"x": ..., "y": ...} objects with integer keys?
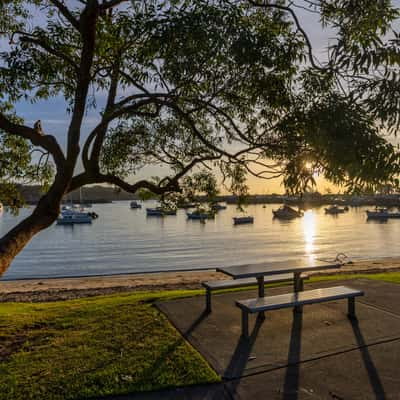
[
  {"x": 308, "y": 165},
  {"x": 309, "y": 230}
]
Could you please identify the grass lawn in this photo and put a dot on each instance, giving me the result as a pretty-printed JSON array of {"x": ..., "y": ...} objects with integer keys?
[{"x": 99, "y": 346}]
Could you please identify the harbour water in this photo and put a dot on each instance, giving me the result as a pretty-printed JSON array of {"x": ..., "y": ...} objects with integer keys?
[{"x": 126, "y": 241}]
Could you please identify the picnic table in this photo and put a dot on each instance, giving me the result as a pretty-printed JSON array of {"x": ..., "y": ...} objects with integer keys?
[
  {"x": 259, "y": 271},
  {"x": 296, "y": 299}
]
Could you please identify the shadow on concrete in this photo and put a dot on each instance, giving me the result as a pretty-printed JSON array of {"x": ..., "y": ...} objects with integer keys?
[
  {"x": 240, "y": 357},
  {"x": 372, "y": 371},
  {"x": 195, "y": 323},
  {"x": 242, "y": 354},
  {"x": 292, "y": 376}
]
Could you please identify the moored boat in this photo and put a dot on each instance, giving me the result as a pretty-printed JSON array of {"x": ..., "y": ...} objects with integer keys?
[
  {"x": 200, "y": 215},
  {"x": 382, "y": 213},
  {"x": 335, "y": 209},
  {"x": 134, "y": 204},
  {"x": 186, "y": 205},
  {"x": 286, "y": 212},
  {"x": 218, "y": 207},
  {"x": 159, "y": 212},
  {"x": 70, "y": 216},
  {"x": 243, "y": 220}
]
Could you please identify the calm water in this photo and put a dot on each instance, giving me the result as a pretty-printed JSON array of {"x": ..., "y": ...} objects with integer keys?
[{"x": 124, "y": 240}]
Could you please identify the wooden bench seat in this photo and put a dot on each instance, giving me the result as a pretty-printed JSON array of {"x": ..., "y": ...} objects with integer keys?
[
  {"x": 237, "y": 283},
  {"x": 297, "y": 299}
]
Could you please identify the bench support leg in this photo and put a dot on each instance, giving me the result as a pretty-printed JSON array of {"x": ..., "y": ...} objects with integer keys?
[
  {"x": 261, "y": 293},
  {"x": 245, "y": 324},
  {"x": 298, "y": 287},
  {"x": 208, "y": 300},
  {"x": 351, "y": 312}
]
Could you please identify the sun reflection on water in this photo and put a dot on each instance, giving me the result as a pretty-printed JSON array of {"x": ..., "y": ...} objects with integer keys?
[{"x": 309, "y": 230}]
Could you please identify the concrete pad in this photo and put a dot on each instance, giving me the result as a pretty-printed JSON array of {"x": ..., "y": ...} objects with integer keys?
[
  {"x": 283, "y": 338},
  {"x": 383, "y": 295},
  {"x": 361, "y": 374}
]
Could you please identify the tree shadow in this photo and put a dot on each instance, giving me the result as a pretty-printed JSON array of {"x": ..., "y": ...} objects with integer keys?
[
  {"x": 373, "y": 374},
  {"x": 292, "y": 376}
]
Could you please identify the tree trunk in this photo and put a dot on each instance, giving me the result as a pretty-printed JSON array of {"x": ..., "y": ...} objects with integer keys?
[{"x": 45, "y": 213}]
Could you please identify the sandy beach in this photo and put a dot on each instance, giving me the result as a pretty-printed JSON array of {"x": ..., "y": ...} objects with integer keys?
[{"x": 54, "y": 289}]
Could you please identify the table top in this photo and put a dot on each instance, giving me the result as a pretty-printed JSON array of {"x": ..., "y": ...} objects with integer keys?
[{"x": 275, "y": 268}]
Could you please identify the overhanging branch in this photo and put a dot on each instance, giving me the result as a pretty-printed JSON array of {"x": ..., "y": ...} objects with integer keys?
[{"x": 47, "y": 142}]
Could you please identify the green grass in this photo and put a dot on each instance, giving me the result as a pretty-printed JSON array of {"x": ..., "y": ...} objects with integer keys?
[
  {"x": 98, "y": 346},
  {"x": 102, "y": 345},
  {"x": 393, "y": 277}
]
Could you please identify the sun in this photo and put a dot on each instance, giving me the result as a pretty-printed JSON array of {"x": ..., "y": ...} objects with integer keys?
[{"x": 308, "y": 165}]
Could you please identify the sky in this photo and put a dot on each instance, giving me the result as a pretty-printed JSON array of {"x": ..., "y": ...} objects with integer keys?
[{"x": 55, "y": 120}]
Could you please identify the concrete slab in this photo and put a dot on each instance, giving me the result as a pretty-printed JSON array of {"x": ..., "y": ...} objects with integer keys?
[
  {"x": 366, "y": 373},
  {"x": 362, "y": 374},
  {"x": 384, "y": 295},
  {"x": 283, "y": 338}
]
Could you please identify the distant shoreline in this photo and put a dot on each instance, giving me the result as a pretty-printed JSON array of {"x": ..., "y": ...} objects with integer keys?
[
  {"x": 310, "y": 200},
  {"x": 55, "y": 289}
]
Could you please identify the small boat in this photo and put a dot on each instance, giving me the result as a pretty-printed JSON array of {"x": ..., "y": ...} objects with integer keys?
[
  {"x": 186, "y": 205},
  {"x": 71, "y": 216},
  {"x": 159, "y": 212},
  {"x": 218, "y": 207},
  {"x": 200, "y": 215},
  {"x": 135, "y": 204},
  {"x": 154, "y": 212},
  {"x": 286, "y": 212},
  {"x": 336, "y": 210},
  {"x": 243, "y": 220},
  {"x": 169, "y": 211},
  {"x": 382, "y": 213}
]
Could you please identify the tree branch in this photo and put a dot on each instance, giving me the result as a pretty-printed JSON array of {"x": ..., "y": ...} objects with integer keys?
[
  {"x": 87, "y": 27},
  {"x": 47, "y": 142},
  {"x": 66, "y": 13},
  {"x": 110, "y": 4},
  {"x": 112, "y": 93},
  {"x": 50, "y": 50},
  {"x": 171, "y": 185},
  {"x": 298, "y": 25}
]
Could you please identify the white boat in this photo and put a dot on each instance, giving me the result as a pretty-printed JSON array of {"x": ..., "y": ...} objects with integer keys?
[
  {"x": 336, "y": 210},
  {"x": 135, "y": 204},
  {"x": 71, "y": 216},
  {"x": 243, "y": 220},
  {"x": 382, "y": 213},
  {"x": 286, "y": 212}
]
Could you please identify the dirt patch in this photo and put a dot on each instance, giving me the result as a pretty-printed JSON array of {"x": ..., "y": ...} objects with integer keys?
[{"x": 40, "y": 296}]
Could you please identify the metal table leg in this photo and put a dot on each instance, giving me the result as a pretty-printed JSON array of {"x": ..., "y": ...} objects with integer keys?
[
  {"x": 261, "y": 293},
  {"x": 298, "y": 287}
]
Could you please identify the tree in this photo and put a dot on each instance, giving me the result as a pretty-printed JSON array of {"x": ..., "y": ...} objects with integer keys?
[{"x": 186, "y": 84}]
